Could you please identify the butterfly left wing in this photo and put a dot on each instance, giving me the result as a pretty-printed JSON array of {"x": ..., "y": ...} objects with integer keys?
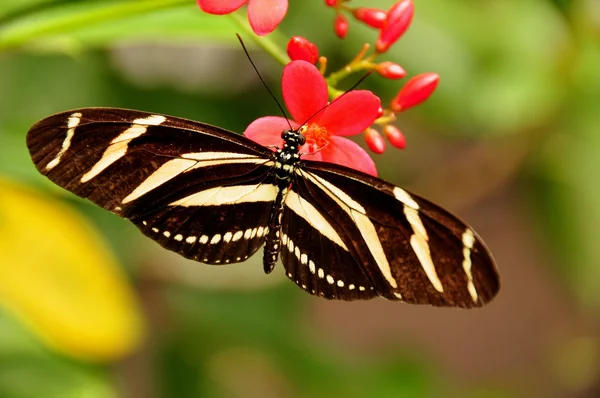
[
  {"x": 201, "y": 191},
  {"x": 405, "y": 247}
]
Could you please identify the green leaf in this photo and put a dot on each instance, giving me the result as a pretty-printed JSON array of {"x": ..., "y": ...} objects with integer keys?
[{"x": 68, "y": 25}]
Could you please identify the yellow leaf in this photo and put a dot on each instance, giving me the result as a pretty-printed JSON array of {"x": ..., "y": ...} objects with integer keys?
[{"x": 58, "y": 276}]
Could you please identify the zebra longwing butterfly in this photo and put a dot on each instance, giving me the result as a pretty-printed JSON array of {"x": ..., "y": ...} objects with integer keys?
[{"x": 216, "y": 197}]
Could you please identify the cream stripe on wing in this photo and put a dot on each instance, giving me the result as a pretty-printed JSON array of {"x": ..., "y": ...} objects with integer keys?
[
  {"x": 230, "y": 195},
  {"x": 216, "y": 155},
  {"x": 405, "y": 198},
  {"x": 173, "y": 168},
  {"x": 307, "y": 211},
  {"x": 72, "y": 123},
  {"x": 163, "y": 174},
  {"x": 118, "y": 146},
  {"x": 363, "y": 223},
  {"x": 419, "y": 243},
  {"x": 468, "y": 240}
]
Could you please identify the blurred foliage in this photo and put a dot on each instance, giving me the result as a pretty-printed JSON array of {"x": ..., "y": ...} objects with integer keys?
[{"x": 519, "y": 72}]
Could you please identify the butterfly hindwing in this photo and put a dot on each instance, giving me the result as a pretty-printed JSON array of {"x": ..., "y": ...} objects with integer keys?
[
  {"x": 314, "y": 252},
  {"x": 411, "y": 249}
]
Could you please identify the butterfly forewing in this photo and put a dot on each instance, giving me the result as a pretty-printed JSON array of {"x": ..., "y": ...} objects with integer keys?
[
  {"x": 412, "y": 250},
  {"x": 198, "y": 190}
]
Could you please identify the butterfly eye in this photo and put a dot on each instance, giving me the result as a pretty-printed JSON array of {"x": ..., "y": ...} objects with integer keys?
[{"x": 301, "y": 139}]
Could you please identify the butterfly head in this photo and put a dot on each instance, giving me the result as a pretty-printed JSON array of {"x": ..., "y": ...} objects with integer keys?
[{"x": 293, "y": 138}]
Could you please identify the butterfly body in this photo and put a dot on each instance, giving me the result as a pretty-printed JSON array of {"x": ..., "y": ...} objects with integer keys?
[{"x": 216, "y": 197}]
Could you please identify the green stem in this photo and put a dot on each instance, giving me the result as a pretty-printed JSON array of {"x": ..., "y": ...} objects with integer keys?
[
  {"x": 352, "y": 67},
  {"x": 265, "y": 42},
  {"x": 36, "y": 26}
]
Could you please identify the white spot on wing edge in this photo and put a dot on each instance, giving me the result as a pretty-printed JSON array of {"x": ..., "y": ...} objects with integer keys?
[
  {"x": 237, "y": 236},
  {"x": 468, "y": 240},
  {"x": 152, "y": 120},
  {"x": 72, "y": 123}
]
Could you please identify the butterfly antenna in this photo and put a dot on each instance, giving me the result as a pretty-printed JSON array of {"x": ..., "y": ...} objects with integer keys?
[
  {"x": 345, "y": 92},
  {"x": 263, "y": 81}
]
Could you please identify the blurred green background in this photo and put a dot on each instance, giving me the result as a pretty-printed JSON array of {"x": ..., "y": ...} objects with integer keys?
[{"x": 510, "y": 141}]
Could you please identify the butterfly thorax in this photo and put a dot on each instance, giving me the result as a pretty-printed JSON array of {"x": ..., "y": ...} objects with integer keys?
[
  {"x": 285, "y": 162},
  {"x": 288, "y": 156}
]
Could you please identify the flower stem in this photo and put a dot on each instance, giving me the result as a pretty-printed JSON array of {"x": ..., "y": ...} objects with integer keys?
[{"x": 267, "y": 43}]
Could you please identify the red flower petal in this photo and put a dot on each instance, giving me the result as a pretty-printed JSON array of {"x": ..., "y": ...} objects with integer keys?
[
  {"x": 347, "y": 153},
  {"x": 220, "y": 7},
  {"x": 267, "y": 130},
  {"x": 265, "y": 15},
  {"x": 304, "y": 90},
  {"x": 350, "y": 114}
]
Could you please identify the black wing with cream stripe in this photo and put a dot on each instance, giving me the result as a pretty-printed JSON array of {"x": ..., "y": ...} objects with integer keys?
[
  {"x": 410, "y": 249},
  {"x": 198, "y": 190},
  {"x": 315, "y": 254}
]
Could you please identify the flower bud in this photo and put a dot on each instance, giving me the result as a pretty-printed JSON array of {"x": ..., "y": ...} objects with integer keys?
[
  {"x": 340, "y": 26},
  {"x": 394, "y": 136},
  {"x": 390, "y": 70},
  {"x": 415, "y": 91},
  {"x": 299, "y": 48},
  {"x": 374, "y": 141},
  {"x": 371, "y": 16},
  {"x": 397, "y": 22}
]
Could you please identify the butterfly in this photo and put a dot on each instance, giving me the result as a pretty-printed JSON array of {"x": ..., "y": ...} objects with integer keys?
[{"x": 216, "y": 197}]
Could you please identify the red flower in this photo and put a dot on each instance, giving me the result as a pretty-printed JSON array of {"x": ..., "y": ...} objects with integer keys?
[
  {"x": 305, "y": 94},
  {"x": 264, "y": 15}
]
